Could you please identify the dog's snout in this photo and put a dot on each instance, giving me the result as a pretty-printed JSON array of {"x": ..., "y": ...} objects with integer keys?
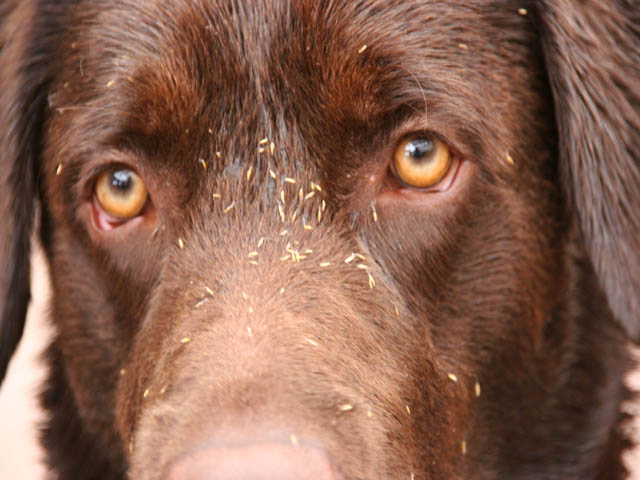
[{"x": 253, "y": 462}]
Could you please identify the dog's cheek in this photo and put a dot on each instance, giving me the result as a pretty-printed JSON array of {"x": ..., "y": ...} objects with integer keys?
[
  {"x": 493, "y": 268},
  {"x": 95, "y": 310},
  {"x": 89, "y": 342}
]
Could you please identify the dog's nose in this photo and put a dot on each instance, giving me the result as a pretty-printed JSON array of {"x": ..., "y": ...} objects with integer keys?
[{"x": 254, "y": 462}]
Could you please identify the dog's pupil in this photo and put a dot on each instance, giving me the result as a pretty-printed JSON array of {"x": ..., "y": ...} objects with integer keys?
[
  {"x": 419, "y": 150},
  {"x": 121, "y": 181}
]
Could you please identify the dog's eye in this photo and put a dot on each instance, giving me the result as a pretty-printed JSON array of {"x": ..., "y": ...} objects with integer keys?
[
  {"x": 420, "y": 161},
  {"x": 121, "y": 193}
]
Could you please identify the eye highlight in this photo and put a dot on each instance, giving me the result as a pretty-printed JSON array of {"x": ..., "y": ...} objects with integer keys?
[
  {"x": 421, "y": 161},
  {"x": 121, "y": 193}
]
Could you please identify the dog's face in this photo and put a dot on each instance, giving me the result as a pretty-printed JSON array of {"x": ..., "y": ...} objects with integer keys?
[{"x": 346, "y": 240}]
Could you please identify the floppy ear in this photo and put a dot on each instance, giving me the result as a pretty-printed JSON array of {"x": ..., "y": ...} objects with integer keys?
[
  {"x": 20, "y": 110},
  {"x": 592, "y": 51}
]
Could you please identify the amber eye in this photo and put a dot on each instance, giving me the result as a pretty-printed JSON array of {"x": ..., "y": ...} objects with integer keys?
[
  {"x": 420, "y": 161},
  {"x": 121, "y": 193}
]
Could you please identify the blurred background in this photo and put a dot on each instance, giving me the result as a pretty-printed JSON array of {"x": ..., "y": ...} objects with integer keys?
[{"x": 20, "y": 417}]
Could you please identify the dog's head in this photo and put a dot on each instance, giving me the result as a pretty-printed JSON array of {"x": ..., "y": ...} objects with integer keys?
[{"x": 379, "y": 239}]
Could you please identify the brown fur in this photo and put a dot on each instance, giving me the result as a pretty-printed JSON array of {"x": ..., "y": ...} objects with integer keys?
[{"x": 521, "y": 277}]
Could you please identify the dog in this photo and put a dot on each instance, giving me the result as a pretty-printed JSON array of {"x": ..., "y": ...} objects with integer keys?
[{"x": 383, "y": 239}]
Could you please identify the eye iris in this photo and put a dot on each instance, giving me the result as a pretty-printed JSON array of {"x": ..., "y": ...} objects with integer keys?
[
  {"x": 421, "y": 161},
  {"x": 121, "y": 193}
]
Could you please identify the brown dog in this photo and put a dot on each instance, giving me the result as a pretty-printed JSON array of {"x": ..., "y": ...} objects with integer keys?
[{"x": 378, "y": 239}]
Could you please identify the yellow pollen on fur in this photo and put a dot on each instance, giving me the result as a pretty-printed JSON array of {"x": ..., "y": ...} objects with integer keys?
[
  {"x": 509, "y": 159},
  {"x": 312, "y": 342}
]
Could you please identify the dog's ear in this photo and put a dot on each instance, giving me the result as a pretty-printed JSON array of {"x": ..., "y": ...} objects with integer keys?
[
  {"x": 20, "y": 114},
  {"x": 592, "y": 52}
]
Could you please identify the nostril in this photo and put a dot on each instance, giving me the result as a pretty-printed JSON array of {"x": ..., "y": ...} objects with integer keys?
[{"x": 254, "y": 462}]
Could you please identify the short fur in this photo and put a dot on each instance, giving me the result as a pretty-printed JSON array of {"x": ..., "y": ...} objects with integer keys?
[{"x": 521, "y": 279}]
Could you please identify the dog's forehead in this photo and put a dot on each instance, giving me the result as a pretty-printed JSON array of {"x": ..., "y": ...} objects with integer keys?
[
  {"x": 210, "y": 79},
  {"x": 348, "y": 61}
]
